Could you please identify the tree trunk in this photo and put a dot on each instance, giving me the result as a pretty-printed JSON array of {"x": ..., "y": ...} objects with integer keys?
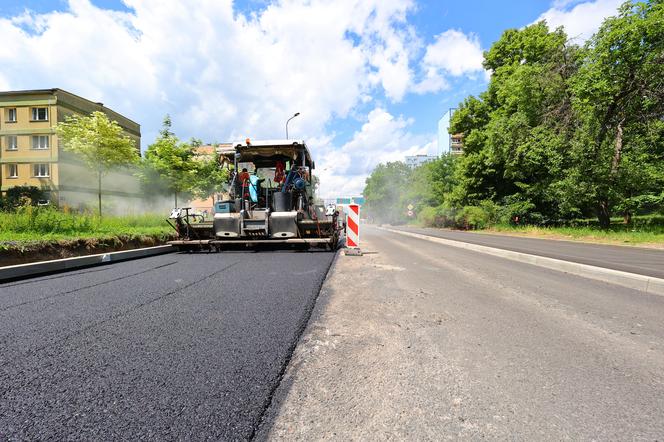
[
  {"x": 604, "y": 214},
  {"x": 617, "y": 151},
  {"x": 99, "y": 191},
  {"x": 627, "y": 216},
  {"x": 603, "y": 210}
]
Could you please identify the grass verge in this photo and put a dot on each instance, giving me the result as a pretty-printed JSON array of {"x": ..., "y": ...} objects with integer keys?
[
  {"x": 651, "y": 236},
  {"x": 34, "y": 234},
  {"x": 31, "y": 224}
]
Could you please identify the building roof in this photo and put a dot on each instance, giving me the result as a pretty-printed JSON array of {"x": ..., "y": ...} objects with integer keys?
[{"x": 54, "y": 91}]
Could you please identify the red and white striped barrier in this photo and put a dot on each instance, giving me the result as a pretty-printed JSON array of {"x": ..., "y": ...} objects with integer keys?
[{"x": 353, "y": 226}]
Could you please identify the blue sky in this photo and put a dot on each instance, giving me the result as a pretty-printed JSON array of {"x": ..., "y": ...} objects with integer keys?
[{"x": 370, "y": 77}]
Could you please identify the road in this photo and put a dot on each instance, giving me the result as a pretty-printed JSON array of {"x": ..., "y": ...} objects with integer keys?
[
  {"x": 644, "y": 261},
  {"x": 413, "y": 341},
  {"x": 422, "y": 341},
  {"x": 171, "y": 347}
]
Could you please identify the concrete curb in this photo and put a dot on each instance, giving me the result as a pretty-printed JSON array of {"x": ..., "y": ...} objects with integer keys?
[
  {"x": 647, "y": 284},
  {"x": 20, "y": 271}
]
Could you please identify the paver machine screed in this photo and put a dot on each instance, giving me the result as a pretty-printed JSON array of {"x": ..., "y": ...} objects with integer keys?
[{"x": 269, "y": 200}]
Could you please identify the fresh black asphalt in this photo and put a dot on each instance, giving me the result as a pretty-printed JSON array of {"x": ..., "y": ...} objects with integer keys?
[
  {"x": 643, "y": 261},
  {"x": 178, "y": 346}
]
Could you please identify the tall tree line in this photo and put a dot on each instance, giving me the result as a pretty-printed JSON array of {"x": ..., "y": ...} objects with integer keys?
[
  {"x": 562, "y": 131},
  {"x": 566, "y": 131}
]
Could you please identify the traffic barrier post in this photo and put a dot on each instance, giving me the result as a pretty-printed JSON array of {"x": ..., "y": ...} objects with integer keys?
[{"x": 353, "y": 230}]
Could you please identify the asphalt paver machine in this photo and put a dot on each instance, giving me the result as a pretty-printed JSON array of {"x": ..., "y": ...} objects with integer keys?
[{"x": 269, "y": 200}]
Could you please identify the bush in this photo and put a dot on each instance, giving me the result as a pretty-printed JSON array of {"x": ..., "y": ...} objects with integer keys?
[
  {"x": 22, "y": 196},
  {"x": 439, "y": 216},
  {"x": 489, "y": 214},
  {"x": 473, "y": 217},
  {"x": 493, "y": 212},
  {"x": 427, "y": 216},
  {"x": 517, "y": 212}
]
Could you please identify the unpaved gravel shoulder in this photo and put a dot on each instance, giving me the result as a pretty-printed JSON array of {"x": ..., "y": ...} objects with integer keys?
[{"x": 363, "y": 368}]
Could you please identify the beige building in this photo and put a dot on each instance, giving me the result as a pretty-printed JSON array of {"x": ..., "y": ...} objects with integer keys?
[
  {"x": 206, "y": 206},
  {"x": 30, "y": 154}
]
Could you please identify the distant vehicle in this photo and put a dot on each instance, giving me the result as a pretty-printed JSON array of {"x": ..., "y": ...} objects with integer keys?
[{"x": 271, "y": 202}]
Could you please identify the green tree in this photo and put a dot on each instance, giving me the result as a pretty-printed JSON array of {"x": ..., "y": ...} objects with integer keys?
[
  {"x": 99, "y": 142},
  {"x": 210, "y": 176},
  {"x": 431, "y": 184},
  {"x": 561, "y": 131},
  {"x": 516, "y": 133},
  {"x": 169, "y": 165},
  {"x": 619, "y": 102},
  {"x": 384, "y": 191}
]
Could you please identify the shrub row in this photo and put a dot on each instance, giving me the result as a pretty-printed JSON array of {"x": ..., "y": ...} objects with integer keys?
[{"x": 488, "y": 214}]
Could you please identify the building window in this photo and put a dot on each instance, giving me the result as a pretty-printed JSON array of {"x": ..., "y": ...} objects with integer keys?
[
  {"x": 12, "y": 142},
  {"x": 40, "y": 170},
  {"x": 39, "y": 114},
  {"x": 12, "y": 170},
  {"x": 40, "y": 142},
  {"x": 11, "y": 115}
]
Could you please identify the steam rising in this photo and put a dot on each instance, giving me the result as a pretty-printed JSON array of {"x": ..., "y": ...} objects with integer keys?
[{"x": 122, "y": 191}]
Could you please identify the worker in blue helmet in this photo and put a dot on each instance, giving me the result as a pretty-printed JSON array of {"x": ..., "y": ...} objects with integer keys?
[{"x": 254, "y": 185}]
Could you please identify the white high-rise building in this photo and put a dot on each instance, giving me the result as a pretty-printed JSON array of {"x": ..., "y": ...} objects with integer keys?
[
  {"x": 448, "y": 144},
  {"x": 443, "y": 132}
]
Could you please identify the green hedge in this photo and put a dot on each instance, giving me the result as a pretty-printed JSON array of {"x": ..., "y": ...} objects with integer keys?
[{"x": 488, "y": 214}]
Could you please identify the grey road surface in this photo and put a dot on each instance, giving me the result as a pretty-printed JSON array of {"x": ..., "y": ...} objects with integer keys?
[
  {"x": 421, "y": 341},
  {"x": 644, "y": 261},
  {"x": 171, "y": 347}
]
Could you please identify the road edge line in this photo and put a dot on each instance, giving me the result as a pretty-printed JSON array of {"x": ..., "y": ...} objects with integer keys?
[
  {"x": 643, "y": 283},
  {"x": 22, "y": 271}
]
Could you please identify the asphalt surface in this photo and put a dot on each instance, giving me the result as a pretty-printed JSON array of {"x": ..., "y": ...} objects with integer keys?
[
  {"x": 644, "y": 261},
  {"x": 432, "y": 342},
  {"x": 178, "y": 346}
]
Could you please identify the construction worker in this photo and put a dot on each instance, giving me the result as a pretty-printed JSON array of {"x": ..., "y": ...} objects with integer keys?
[
  {"x": 280, "y": 173},
  {"x": 244, "y": 176}
]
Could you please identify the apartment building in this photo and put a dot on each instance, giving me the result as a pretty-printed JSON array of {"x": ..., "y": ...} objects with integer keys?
[
  {"x": 30, "y": 154},
  {"x": 456, "y": 144},
  {"x": 414, "y": 161},
  {"x": 448, "y": 143}
]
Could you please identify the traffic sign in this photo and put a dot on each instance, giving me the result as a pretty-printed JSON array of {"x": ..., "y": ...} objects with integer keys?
[
  {"x": 410, "y": 213},
  {"x": 410, "y": 207}
]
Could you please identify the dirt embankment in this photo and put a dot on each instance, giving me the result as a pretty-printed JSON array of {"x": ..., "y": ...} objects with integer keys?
[{"x": 12, "y": 253}]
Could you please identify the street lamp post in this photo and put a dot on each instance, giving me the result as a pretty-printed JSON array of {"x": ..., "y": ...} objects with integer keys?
[{"x": 296, "y": 114}]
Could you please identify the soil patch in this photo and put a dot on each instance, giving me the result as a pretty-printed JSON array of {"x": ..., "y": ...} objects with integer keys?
[{"x": 12, "y": 253}]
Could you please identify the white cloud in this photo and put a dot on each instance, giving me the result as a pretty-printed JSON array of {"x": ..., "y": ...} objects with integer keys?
[
  {"x": 4, "y": 84},
  {"x": 453, "y": 53},
  {"x": 581, "y": 20},
  {"x": 382, "y": 138},
  {"x": 224, "y": 76},
  {"x": 220, "y": 74}
]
